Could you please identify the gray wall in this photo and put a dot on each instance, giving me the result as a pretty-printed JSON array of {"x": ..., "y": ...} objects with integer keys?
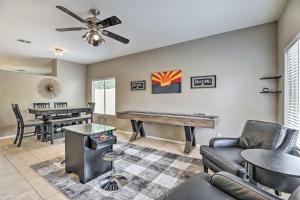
[
  {"x": 238, "y": 59},
  {"x": 288, "y": 28},
  {"x": 22, "y": 89}
]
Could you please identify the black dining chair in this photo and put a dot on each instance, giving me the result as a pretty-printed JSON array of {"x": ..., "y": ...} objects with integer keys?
[
  {"x": 91, "y": 105},
  {"x": 60, "y": 104},
  {"x": 41, "y": 106},
  {"x": 36, "y": 123},
  {"x": 60, "y": 116}
]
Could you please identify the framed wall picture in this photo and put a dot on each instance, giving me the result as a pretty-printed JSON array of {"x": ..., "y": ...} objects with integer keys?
[
  {"x": 166, "y": 82},
  {"x": 204, "y": 81},
  {"x": 138, "y": 85}
]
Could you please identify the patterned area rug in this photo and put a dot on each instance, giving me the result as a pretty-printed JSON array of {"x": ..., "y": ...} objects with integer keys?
[{"x": 150, "y": 173}]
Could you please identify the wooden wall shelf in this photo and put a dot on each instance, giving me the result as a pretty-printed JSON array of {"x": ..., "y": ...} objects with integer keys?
[
  {"x": 270, "y": 92},
  {"x": 270, "y": 77},
  {"x": 275, "y": 77}
]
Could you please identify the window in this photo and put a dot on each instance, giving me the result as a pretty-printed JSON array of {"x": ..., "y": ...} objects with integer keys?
[
  {"x": 104, "y": 93},
  {"x": 292, "y": 89}
]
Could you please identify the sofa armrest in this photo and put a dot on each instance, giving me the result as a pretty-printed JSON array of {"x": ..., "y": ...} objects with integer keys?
[
  {"x": 239, "y": 188},
  {"x": 296, "y": 194},
  {"x": 289, "y": 142},
  {"x": 223, "y": 142}
]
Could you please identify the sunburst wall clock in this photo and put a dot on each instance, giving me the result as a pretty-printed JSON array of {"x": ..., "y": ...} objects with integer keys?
[
  {"x": 166, "y": 82},
  {"x": 49, "y": 88}
]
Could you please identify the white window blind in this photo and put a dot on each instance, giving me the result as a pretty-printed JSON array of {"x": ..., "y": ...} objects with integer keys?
[{"x": 292, "y": 89}]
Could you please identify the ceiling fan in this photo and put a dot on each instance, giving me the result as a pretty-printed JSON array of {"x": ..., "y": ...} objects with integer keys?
[{"x": 94, "y": 27}]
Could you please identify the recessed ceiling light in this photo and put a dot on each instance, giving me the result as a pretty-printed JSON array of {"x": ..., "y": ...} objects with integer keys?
[
  {"x": 58, "y": 51},
  {"x": 24, "y": 41}
]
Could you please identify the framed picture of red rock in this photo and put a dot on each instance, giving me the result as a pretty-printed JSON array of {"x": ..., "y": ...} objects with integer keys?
[{"x": 166, "y": 82}]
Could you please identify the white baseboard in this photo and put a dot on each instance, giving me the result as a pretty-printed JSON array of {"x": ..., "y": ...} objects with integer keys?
[
  {"x": 7, "y": 137},
  {"x": 158, "y": 138}
]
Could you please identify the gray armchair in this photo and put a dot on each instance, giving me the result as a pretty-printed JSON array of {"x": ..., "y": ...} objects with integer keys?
[
  {"x": 223, "y": 154},
  {"x": 221, "y": 186}
]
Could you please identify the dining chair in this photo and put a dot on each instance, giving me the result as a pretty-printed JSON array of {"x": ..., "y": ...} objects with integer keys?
[
  {"x": 91, "y": 105},
  {"x": 40, "y": 105},
  {"x": 60, "y": 104},
  {"x": 60, "y": 116},
  {"x": 36, "y": 123}
]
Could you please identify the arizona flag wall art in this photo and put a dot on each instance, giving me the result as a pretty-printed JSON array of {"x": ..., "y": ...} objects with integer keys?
[{"x": 166, "y": 82}]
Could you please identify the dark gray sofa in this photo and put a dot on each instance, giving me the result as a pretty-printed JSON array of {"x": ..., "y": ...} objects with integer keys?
[
  {"x": 221, "y": 186},
  {"x": 223, "y": 154}
]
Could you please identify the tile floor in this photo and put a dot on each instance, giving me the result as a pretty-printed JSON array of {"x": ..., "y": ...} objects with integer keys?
[{"x": 19, "y": 182}]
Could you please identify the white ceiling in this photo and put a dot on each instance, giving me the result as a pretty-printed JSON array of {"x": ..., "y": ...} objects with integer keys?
[{"x": 148, "y": 24}]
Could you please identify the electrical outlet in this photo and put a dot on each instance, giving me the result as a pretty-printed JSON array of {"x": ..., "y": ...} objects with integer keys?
[{"x": 219, "y": 134}]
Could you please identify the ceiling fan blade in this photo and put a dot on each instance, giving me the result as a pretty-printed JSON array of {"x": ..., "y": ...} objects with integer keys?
[
  {"x": 70, "y": 13},
  {"x": 115, "y": 36},
  {"x": 111, "y": 21},
  {"x": 71, "y": 29}
]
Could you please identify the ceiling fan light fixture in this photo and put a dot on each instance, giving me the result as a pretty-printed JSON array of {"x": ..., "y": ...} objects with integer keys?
[
  {"x": 93, "y": 38},
  {"x": 95, "y": 27},
  {"x": 96, "y": 37},
  {"x": 86, "y": 36},
  {"x": 90, "y": 40},
  {"x": 96, "y": 43}
]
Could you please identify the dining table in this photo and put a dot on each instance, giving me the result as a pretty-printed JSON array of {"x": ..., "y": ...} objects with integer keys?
[{"x": 47, "y": 114}]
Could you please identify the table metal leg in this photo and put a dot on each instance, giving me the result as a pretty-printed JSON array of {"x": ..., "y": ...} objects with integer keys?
[
  {"x": 138, "y": 128},
  {"x": 141, "y": 128},
  {"x": 251, "y": 173},
  {"x": 190, "y": 138},
  {"x": 194, "y": 138},
  {"x": 135, "y": 130}
]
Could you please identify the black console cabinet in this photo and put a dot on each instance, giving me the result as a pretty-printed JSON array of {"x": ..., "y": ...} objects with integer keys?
[{"x": 84, "y": 148}]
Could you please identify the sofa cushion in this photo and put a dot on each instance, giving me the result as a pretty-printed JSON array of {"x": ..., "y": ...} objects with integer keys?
[
  {"x": 260, "y": 135},
  {"x": 196, "y": 188},
  {"x": 226, "y": 158}
]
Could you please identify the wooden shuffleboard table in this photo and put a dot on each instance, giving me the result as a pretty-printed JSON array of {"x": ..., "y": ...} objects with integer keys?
[{"x": 188, "y": 121}]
